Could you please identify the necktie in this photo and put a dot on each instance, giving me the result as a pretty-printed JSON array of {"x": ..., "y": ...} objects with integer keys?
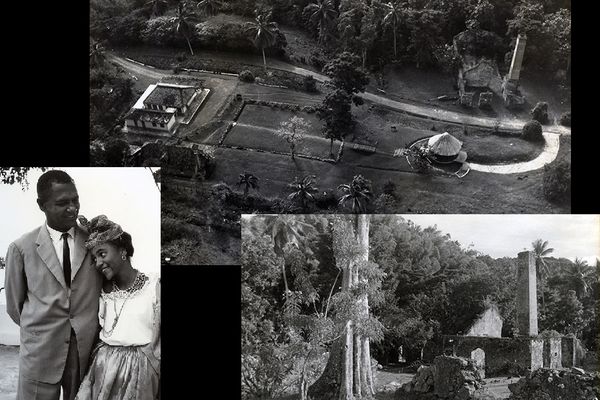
[{"x": 66, "y": 259}]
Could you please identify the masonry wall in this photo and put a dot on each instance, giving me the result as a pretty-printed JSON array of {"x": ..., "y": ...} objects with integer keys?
[
  {"x": 501, "y": 354},
  {"x": 489, "y": 324}
]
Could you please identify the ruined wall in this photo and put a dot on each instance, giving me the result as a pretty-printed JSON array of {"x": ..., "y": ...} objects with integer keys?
[
  {"x": 552, "y": 352},
  {"x": 488, "y": 324},
  {"x": 501, "y": 354},
  {"x": 572, "y": 352}
]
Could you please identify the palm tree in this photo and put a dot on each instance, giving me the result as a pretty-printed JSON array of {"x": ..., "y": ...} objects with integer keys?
[
  {"x": 249, "y": 181},
  {"x": 303, "y": 190},
  {"x": 579, "y": 274},
  {"x": 322, "y": 13},
  {"x": 284, "y": 229},
  {"x": 156, "y": 7},
  {"x": 540, "y": 251},
  {"x": 97, "y": 55},
  {"x": 358, "y": 192},
  {"x": 184, "y": 21},
  {"x": 210, "y": 8},
  {"x": 264, "y": 34},
  {"x": 392, "y": 16}
]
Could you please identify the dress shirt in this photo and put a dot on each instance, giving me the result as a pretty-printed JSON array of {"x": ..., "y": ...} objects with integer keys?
[{"x": 57, "y": 242}]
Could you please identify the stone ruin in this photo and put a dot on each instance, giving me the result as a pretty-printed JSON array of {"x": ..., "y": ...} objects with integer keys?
[
  {"x": 527, "y": 351},
  {"x": 450, "y": 378},
  {"x": 510, "y": 86},
  {"x": 573, "y": 384}
]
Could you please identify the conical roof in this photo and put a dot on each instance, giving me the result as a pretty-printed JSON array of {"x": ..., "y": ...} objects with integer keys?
[{"x": 444, "y": 144}]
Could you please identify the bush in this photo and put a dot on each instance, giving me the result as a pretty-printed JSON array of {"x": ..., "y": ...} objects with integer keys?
[
  {"x": 246, "y": 76},
  {"x": 310, "y": 84},
  {"x": 389, "y": 187},
  {"x": 557, "y": 182},
  {"x": 565, "y": 119},
  {"x": 532, "y": 131},
  {"x": 540, "y": 112}
]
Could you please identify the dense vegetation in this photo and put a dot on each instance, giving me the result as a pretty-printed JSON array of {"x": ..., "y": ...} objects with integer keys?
[
  {"x": 412, "y": 31},
  {"x": 422, "y": 285}
]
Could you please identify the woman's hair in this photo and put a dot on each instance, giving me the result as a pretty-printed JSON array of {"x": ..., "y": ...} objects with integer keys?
[{"x": 124, "y": 242}]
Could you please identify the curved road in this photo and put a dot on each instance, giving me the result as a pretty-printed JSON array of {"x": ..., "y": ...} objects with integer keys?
[{"x": 551, "y": 133}]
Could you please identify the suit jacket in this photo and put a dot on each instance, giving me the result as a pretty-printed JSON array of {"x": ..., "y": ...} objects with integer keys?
[{"x": 38, "y": 300}]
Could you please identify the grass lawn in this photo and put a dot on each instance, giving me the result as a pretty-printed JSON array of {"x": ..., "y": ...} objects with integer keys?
[
  {"x": 481, "y": 145},
  {"x": 256, "y": 128}
]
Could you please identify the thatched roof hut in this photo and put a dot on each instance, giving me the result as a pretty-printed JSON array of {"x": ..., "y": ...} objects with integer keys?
[{"x": 444, "y": 147}]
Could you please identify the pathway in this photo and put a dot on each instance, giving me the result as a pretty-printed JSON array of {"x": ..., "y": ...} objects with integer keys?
[
  {"x": 547, "y": 155},
  {"x": 551, "y": 133}
]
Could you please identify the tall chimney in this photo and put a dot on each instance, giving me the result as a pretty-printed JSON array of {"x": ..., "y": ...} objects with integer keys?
[
  {"x": 527, "y": 314},
  {"x": 517, "y": 59}
]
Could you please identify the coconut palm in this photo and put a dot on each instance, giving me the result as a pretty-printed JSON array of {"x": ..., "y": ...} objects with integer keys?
[
  {"x": 540, "y": 251},
  {"x": 264, "y": 33},
  {"x": 358, "y": 192},
  {"x": 303, "y": 190},
  {"x": 579, "y": 275},
  {"x": 210, "y": 8},
  {"x": 392, "y": 15},
  {"x": 249, "y": 181},
  {"x": 322, "y": 13},
  {"x": 185, "y": 19}
]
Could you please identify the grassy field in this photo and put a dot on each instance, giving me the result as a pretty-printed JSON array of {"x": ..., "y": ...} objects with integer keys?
[{"x": 255, "y": 128}]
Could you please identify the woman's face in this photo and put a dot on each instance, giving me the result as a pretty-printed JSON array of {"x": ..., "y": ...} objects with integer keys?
[{"x": 107, "y": 259}]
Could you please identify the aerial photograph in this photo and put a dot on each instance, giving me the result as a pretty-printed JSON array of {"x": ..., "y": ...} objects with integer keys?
[{"x": 326, "y": 106}]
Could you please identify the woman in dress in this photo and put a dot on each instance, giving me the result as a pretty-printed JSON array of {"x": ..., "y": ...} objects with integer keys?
[{"x": 126, "y": 362}]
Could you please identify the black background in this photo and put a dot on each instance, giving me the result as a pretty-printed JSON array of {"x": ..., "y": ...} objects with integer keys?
[{"x": 46, "y": 123}]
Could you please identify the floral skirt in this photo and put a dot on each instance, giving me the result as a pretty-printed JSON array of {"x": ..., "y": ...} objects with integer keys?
[{"x": 119, "y": 373}]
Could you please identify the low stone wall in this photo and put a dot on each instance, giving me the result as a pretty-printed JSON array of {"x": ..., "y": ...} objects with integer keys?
[
  {"x": 502, "y": 355},
  {"x": 551, "y": 384}
]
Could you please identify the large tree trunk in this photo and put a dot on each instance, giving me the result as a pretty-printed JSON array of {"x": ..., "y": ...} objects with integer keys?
[{"x": 348, "y": 374}]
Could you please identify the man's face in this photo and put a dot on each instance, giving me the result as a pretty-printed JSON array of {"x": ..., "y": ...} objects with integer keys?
[{"x": 61, "y": 207}]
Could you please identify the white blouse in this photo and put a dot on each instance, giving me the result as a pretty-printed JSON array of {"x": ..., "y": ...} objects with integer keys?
[{"x": 136, "y": 315}]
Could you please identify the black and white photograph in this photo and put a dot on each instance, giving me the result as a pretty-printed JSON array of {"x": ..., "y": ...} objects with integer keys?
[
  {"x": 416, "y": 307},
  {"x": 80, "y": 283},
  {"x": 460, "y": 106}
]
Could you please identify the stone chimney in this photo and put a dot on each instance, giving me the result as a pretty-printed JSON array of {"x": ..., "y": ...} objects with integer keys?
[
  {"x": 517, "y": 59},
  {"x": 527, "y": 314}
]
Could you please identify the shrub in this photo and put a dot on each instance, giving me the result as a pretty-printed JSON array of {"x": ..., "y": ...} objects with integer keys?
[
  {"x": 540, "y": 112},
  {"x": 389, "y": 187},
  {"x": 310, "y": 84},
  {"x": 557, "y": 182},
  {"x": 565, "y": 119},
  {"x": 246, "y": 76},
  {"x": 326, "y": 200},
  {"x": 317, "y": 60},
  {"x": 170, "y": 229},
  {"x": 532, "y": 131}
]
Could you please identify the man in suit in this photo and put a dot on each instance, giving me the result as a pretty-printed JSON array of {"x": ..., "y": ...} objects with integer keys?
[{"x": 52, "y": 293}]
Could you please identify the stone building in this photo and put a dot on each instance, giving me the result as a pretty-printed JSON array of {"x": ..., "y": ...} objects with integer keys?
[{"x": 527, "y": 350}]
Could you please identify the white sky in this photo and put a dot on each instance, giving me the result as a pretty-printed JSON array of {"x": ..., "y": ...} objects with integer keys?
[
  {"x": 127, "y": 196},
  {"x": 507, "y": 234}
]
